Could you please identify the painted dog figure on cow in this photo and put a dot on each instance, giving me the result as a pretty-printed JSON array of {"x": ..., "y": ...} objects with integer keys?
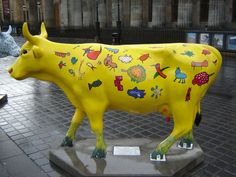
[{"x": 134, "y": 78}]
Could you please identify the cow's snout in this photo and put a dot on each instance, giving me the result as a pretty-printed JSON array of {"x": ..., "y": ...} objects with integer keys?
[{"x": 10, "y": 70}]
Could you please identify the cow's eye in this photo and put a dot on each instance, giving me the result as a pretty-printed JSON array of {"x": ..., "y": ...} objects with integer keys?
[{"x": 24, "y": 51}]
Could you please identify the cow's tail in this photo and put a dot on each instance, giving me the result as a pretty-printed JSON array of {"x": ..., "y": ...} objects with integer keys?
[
  {"x": 198, "y": 116},
  {"x": 217, "y": 60}
]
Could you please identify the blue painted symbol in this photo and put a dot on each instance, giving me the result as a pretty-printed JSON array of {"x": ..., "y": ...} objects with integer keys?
[
  {"x": 180, "y": 75},
  {"x": 74, "y": 60},
  {"x": 136, "y": 93},
  {"x": 112, "y": 50}
]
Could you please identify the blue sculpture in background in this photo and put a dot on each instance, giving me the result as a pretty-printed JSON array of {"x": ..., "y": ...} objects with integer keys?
[{"x": 8, "y": 45}]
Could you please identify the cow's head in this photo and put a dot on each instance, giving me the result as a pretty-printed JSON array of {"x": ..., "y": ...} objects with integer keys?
[
  {"x": 29, "y": 62},
  {"x": 7, "y": 45}
]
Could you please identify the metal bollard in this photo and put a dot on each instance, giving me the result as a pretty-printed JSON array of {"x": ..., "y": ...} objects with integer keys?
[{"x": 115, "y": 39}]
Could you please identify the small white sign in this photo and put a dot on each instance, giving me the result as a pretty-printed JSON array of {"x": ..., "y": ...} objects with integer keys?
[{"x": 126, "y": 150}]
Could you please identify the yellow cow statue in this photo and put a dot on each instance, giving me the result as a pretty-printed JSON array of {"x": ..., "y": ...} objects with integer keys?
[{"x": 167, "y": 78}]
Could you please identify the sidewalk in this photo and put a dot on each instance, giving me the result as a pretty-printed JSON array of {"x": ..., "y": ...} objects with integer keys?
[
  {"x": 14, "y": 162},
  {"x": 38, "y": 114}
]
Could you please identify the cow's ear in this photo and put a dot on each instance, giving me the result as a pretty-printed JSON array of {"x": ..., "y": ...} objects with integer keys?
[
  {"x": 37, "y": 52},
  {"x": 9, "y": 30},
  {"x": 44, "y": 33}
]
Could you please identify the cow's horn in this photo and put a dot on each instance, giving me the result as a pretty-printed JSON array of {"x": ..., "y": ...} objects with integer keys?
[
  {"x": 44, "y": 33},
  {"x": 9, "y": 30},
  {"x": 27, "y": 35}
]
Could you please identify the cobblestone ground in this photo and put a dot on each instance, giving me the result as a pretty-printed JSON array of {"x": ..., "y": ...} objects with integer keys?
[{"x": 38, "y": 113}]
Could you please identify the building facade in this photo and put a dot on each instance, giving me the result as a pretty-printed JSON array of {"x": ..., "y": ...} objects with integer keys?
[{"x": 73, "y": 14}]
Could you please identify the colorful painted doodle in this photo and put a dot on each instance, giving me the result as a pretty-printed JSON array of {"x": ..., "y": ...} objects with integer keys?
[
  {"x": 112, "y": 50},
  {"x": 136, "y": 93},
  {"x": 144, "y": 57},
  {"x": 109, "y": 63},
  {"x": 92, "y": 54},
  {"x": 159, "y": 71},
  {"x": 206, "y": 52},
  {"x": 199, "y": 64},
  {"x": 96, "y": 83},
  {"x": 72, "y": 72},
  {"x": 180, "y": 75},
  {"x": 188, "y": 53},
  {"x": 156, "y": 92},
  {"x": 188, "y": 96},
  {"x": 201, "y": 78},
  {"x": 91, "y": 65},
  {"x": 74, "y": 60},
  {"x": 117, "y": 83},
  {"x": 136, "y": 73},
  {"x": 62, "y": 54},
  {"x": 61, "y": 64},
  {"x": 125, "y": 58}
]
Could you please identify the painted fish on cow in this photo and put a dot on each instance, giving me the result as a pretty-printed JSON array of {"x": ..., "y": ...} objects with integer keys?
[
  {"x": 136, "y": 93},
  {"x": 123, "y": 83}
]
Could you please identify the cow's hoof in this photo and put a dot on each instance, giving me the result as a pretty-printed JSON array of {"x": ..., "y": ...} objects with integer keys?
[
  {"x": 99, "y": 153},
  {"x": 157, "y": 156},
  {"x": 67, "y": 141},
  {"x": 185, "y": 144}
]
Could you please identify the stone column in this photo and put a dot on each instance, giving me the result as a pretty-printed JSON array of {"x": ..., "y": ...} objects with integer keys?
[
  {"x": 216, "y": 13},
  {"x": 115, "y": 11},
  {"x": 196, "y": 14},
  {"x": 1, "y": 14},
  {"x": 102, "y": 13},
  {"x": 168, "y": 22},
  {"x": 88, "y": 14},
  {"x": 63, "y": 14},
  {"x": 145, "y": 20},
  {"x": 158, "y": 13},
  {"x": 184, "y": 13},
  {"x": 48, "y": 13},
  {"x": 136, "y": 13},
  {"x": 228, "y": 13},
  {"x": 126, "y": 13},
  {"x": 75, "y": 13},
  {"x": 33, "y": 13}
]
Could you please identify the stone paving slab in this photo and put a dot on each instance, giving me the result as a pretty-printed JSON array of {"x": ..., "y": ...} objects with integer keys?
[{"x": 13, "y": 162}]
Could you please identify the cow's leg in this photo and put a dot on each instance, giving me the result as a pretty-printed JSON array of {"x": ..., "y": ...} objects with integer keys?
[
  {"x": 75, "y": 123},
  {"x": 183, "y": 122},
  {"x": 187, "y": 141},
  {"x": 96, "y": 123}
]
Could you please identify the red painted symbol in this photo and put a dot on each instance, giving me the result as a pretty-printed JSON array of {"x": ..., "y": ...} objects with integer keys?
[
  {"x": 61, "y": 64},
  {"x": 92, "y": 54},
  {"x": 160, "y": 71},
  {"x": 206, "y": 52},
  {"x": 187, "y": 98},
  {"x": 168, "y": 119},
  {"x": 199, "y": 64},
  {"x": 201, "y": 78},
  {"x": 144, "y": 57},
  {"x": 117, "y": 83}
]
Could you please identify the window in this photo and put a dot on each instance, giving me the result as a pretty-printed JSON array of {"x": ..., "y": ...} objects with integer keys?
[
  {"x": 204, "y": 10},
  {"x": 174, "y": 10}
]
